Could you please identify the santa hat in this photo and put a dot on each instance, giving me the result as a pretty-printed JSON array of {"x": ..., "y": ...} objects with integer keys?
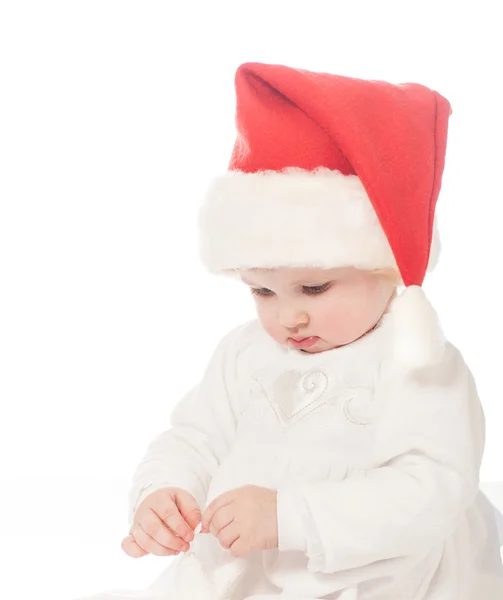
[{"x": 332, "y": 171}]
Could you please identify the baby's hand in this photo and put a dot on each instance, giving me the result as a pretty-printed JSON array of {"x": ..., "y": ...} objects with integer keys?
[
  {"x": 163, "y": 524},
  {"x": 244, "y": 520}
]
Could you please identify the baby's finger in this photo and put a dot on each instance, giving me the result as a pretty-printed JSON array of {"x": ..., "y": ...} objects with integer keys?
[
  {"x": 218, "y": 503},
  {"x": 172, "y": 517},
  {"x": 170, "y": 546},
  {"x": 189, "y": 508},
  {"x": 161, "y": 535},
  {"x": 221, "y": 519},
  {"x": 131, "y": 548}
]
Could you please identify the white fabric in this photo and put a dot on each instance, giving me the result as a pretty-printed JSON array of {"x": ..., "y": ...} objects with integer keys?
[{"x": 376, "y": 469}]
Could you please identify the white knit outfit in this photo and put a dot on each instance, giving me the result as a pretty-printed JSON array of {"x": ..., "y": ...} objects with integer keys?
[{"x": 376, "y": 467}]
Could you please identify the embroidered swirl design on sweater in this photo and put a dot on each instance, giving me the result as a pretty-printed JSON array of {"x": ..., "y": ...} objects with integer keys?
[
  {"x": 356, "y": 404},
  {"x": 293, "y": 394}
]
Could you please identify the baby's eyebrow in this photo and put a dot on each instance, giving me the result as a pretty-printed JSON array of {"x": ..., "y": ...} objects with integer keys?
[
  {"x": 293, "y": 283},
  {"x": 311, "y": 283}
]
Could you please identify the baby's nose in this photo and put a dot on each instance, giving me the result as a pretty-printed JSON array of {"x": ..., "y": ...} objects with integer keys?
[{"x": 290, "y": 318}]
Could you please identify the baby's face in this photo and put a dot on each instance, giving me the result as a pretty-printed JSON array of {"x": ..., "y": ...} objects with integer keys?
[{"x": 335, "y": 305}]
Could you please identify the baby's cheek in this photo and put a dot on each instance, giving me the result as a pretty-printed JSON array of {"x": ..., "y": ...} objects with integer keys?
[
  {"x": 340, "y": 326},
  {"x": 269, "y": 323}
]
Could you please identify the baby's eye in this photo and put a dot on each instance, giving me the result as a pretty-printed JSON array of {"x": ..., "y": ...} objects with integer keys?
[
  {"x": 316, "y": 289},
  {"x": 261, "y": 292}
]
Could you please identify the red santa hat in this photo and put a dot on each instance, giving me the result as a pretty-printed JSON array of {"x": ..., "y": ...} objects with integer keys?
[{"x": 332, "y": 171}]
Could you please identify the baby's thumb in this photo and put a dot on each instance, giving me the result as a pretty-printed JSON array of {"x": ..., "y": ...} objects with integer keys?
[
  {"x": 130, "y": 547},
  {"x": 189, "y": 508}
]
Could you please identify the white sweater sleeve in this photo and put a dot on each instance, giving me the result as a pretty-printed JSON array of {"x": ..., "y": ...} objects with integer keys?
[
  {"x": 428, "y": 446},
  {"x": 202, "y": 429}
]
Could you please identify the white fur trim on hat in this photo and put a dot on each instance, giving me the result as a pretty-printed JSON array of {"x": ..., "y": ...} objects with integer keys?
[{"x": 294, "y": 218}]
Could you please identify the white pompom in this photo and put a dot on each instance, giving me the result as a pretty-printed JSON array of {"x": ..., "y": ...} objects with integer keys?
[{"x": 418, "y": 339}]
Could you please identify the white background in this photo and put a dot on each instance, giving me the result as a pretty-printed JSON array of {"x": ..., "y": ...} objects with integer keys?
[{"x": 113, "y": 117}]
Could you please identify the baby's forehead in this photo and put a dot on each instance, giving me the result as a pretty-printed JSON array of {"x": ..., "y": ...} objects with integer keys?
[{"x": 291, "y": 275}]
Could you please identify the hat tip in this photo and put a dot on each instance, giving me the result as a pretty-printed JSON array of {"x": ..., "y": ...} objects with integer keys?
[{"x": 418, "y": 338}]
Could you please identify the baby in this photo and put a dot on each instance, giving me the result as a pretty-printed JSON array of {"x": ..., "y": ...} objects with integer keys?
[{"x": 332, "y": 448}]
